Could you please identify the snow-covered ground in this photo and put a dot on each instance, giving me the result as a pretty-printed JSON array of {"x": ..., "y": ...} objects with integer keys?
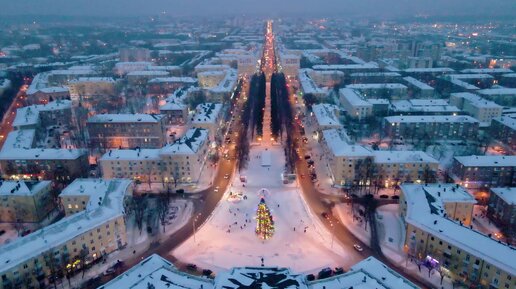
[{"x": 228, "y": 237}]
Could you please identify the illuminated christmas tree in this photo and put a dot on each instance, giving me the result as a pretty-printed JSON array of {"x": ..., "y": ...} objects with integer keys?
[{"x": 264, "y": 221}]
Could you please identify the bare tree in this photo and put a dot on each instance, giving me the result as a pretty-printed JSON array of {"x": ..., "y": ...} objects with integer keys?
[{"x": 163, "y": 206}]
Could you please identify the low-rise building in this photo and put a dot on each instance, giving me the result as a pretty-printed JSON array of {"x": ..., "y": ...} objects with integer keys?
[
  {"x": 436, "y": 218},
  {"x": 73, "y": 242},
  {"x": 418, "y": 89},
  {"x": 179, "y": 162},
  {"x": 208, "y": 116},
  {"x": 141, "y": 77},
  {"x": 502, "y": 96},
  {"x": 39, "y": 116},
  {"x": 354, "y": 104},
  {"x": 431, "y": 127},
  {"x": 380, "y": 90},
  {"x": 325, "y": 116},
  {"x": 502, "y": 209},
  {"x": 25, "y": 201},
  {"x": 91, "y": 89},
  {"x": 423, "y": 107},
  {"x": 482, "y": 109},
  {"x": 484, "y": 171},
  {"x": 503, "y": 129},
  {"x": 167, "y": 85},
  {"x": 107, "y": 131}
]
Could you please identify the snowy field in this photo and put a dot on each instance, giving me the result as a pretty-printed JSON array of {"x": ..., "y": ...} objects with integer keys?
[{"x": 228, "y": 237}]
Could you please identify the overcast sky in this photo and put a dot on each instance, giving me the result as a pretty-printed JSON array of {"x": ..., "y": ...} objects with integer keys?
[{"x": 258, "y": 7}]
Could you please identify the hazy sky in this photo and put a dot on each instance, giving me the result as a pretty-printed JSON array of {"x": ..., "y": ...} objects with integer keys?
[{"x": 260, "y": 7}]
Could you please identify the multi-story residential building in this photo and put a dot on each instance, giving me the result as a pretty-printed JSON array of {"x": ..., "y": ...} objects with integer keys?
[
  {"x": 436, "y": 218},
  {"x": 19, "y": 159},
  {"x": 354, "y": 104},
  {"x": 326, "y": 116},
  {"x": 380, "y": 90},
  {"x": 142, "y": 77},
  {"x": 211, "y": 78},
  {"x": 418, "y": 88},
  {"x": 40, "y": 116},
  {"x": 73, "y": 242},
  {"x": 88, "y": 90},
  {"x": 394, "y": 167},
  {"x": 484, "y": 171},
  {"x": 290, "y": 64},
  {"x": 107, "y": 131},
  {"x": 175, "y": 112},
  {"x": 134, "y": 54},
  {"x": 167, "y": 85},
  {"x": 502, "y": 96},
  {"x": 157, "y": 272},
  {"x": 122, "y": 68},
  {"x": 356, "y": 164},
  {"x": 479, "y": 108},
  {"x": 503, "y": 129},
  {"x": 25, "y": 202},
  {"x": 83, "y": 194},
  {"x": 423, "y": 107},
  {"x": 308, "y": 85},
  {"x": 375, "y": 77},
  {"x": 431, "y": 127},
  {"x": 208, "y": 116},
  {"x": 179, "y": 162},
  {"x": 502, "y": 209}
]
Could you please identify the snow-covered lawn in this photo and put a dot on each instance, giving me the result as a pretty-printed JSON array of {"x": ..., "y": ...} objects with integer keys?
[{"x": 228, "y": 238}]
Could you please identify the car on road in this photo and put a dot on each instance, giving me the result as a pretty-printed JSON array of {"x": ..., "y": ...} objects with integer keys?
[
  {"x": 384, "y": 196},
  {"x": 325, "y": 215},
  {"x": 325, "y": 273},
  {"x": 226, "y": 176},
  {"x": 109, "y": 271},
  {"x": 216, "y": 189},
  {"x": 191, "y": 267},
  {"x": 358, "y": 247}
]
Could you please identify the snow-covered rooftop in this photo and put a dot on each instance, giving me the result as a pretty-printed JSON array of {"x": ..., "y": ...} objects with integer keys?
[
  {"x": 173, "y": 79},
  {"x": 497, "y": 91},
  {"x": 476, "y": 100},
  {"x": 156, "y": 73},
  {"x": 425, "y": 210},
  {"x": 402, "y": 157},
  {"x": 19, "y": 188},
  {"x": 417, "y": 83},
  {"x": 131, "y": 154},
  {"x": 29, "y": 115},
  {"x": 508, "y": 121},
  {"x": 125, "y": 118},
  {"x": 20, "y": 139},
  {"x": 487, "y": 70},
  {"x": 95, "y": 189},
  {"x": 430, "y": 70},
  {"x": 206, "y": 113},
  {"x": 190, "y": 143},
  {"x": 325, "y": 114},
  {"x": 158, "y": 272},
  {"x": 431, "y": 118},
  {"x": 376, "y": 86},
  {"x": 487, "y": 161},
  {"x": 507, "y": 194},
  {"x": 353, "y": 97},
  {"x": 25, "y": 248},
  {"x": 369, "y": 65}
]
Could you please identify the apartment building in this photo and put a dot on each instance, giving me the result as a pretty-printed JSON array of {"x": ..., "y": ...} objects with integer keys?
[
  {"x": 436, "y": 218},
  {"x": 179, "y": 162},
  {"x": 431, "y": 127},
  {"x": 503, "y": 129},
  {"x": 88, "y": 90},
  {"x": 423, "y": 107},
  {"x": 380, "y": 90},
  {"x": 354, "y": 104},
  {"x": 108, "y": 131},
  {"x": 40, "y": 116},
  {"x": 502, "y": 209},
  {"x": 167, "y": 85},
  {"x": 482, "y": 109},
  {"x": 326, "y": 116},
  {"x": 25, "y": 201},
  {"x": 482, "y": 171},
  {"x": 355, "y": 164},
  {"x": 72, "y": 242},
  {"x": 208, "y": 116}
]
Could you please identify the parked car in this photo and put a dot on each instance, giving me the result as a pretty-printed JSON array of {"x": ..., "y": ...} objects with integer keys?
[
  {"x": 325, "y": 273},
  {"x": 226, "y": 176},
  {"x": 191, "y": 267},
  {"x": 109, "y": 271},
  {"x": 384, "y": 196},
  {"x": 310, "y": 277},
  {"x": 358, "y": 248}
]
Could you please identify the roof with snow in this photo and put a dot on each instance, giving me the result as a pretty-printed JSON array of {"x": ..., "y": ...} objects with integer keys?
[
  {"x": 29, "y": 115},
  {"x": 487, "y": 161},
  {"x": 376, "y": 86},
  {"x": 94, "y": 189},
  {"x": 158, "y": 273},
  {"x": 125, "y": 118},
  {"x": 325, "y": 114},
  {"x": 173, "y": 79},
  {"x": 22, "y": 188},
  {"x": 190, "y": 143},
  {"x": 507, "y": 194},
  {"x": 425, "y": 210},
  {"x": 402, "y": 157},
  {"x": 354, "y": 98},
  {"x": 131, "y": 154},
  {"x": 206, "y": 113},
  {"x": 55, "y": 235},
  {"x": 419, "y": 84},
  {"x": 430, "y": 118},
  {"x": 507, "y": 121}
]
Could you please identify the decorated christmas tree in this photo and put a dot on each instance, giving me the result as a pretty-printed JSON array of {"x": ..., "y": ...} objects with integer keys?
[{"x": 264, "y": 221}]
